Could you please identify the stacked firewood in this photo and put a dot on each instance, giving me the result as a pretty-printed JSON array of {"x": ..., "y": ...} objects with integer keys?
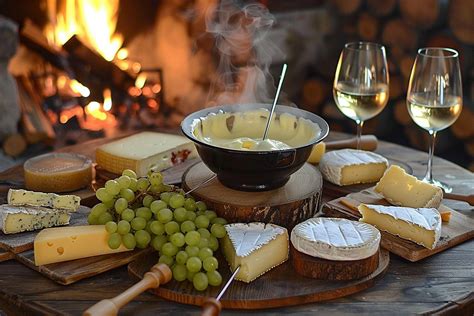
[{"x": 402, "y": 26}]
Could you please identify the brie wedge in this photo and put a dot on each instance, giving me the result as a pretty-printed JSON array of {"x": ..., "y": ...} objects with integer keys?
[{"x": 335, "y": 239}]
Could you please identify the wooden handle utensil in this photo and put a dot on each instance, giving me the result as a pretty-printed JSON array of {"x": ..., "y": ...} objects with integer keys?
[
  {"x": 212, "y": 306},
  {"x": 159, "y": 274},
  {"x": 367, "y": 142},
  {"x": 460, "y": 197}
]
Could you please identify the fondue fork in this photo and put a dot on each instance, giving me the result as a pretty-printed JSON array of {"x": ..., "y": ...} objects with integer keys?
[
  {"x": 282, "y": 77},
  {"x": 212, "y": 306}
]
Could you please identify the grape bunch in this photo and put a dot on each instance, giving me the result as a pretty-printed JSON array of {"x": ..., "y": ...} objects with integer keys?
[{"x": 143, "y": 212}]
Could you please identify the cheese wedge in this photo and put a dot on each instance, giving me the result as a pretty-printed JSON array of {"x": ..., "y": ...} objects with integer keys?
[
  {"x": 144, "y": 151},
  {"x": 317, "y": 152},
  {"x": 400, "y": 188},
  {"x": 351, "y": 166},
  {"x": 16, "y": 219},
  {"x": 255, "y": 247},
  {"x": 420, "y": 225},
  {"x": 51, "y": 200},
  {"x": 59, "y": 244},
  {"x": 335, "y": 239}
]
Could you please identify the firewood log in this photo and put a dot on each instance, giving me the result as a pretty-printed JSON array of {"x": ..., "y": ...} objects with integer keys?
[
  {"x": 463, "y": 128},
  {"x": 315, "y": 91},
  {"x": 346, "y": 7},
  {"x": 461, "y": 21},
  {"x": 423, "y": 14},
  {"x": 381, "y": 8},
  {"x": 400, "y": 112},
  {"x": 367, "y": 27},
  {"x": 14, "y": 145},
  {"x": 400, "y": 37}
]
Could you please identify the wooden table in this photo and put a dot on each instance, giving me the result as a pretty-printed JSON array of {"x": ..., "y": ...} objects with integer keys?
[{"x": 444, "y": 282}]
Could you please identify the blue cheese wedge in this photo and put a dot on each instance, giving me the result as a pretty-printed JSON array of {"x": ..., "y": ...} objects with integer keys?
[
  {"x": 255, "y": 247},
  {"x": 16, "y": 219},
  {"x": 30, "y": 198}
]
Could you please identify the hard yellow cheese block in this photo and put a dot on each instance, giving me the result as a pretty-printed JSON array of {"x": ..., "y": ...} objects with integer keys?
[
  {"x": 317, "y": 152},
  {"x": 59, "y": 244},
  {"x": 400, "y": 188}
]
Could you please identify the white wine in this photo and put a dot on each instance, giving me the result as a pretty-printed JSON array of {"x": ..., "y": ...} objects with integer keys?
[
  {"x": 360, "y": 104},
  {"x": 434, "y": 116}
]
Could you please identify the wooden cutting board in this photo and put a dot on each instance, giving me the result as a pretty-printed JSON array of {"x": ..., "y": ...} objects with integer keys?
[
  {"x": 6, "y": 255},
  {"x": 459, "y": 229},
  {"x": 281, "y": 286}
]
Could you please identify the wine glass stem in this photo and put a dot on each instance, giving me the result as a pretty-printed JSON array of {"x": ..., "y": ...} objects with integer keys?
[
  {"x": 360, "y": 124},
  {"x": 429, "y": 169}
]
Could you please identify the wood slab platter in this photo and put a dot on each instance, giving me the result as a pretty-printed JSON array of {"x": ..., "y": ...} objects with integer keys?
[
  {"x": 459, "y": 229},
  {"x": 281, "y": 286},
  {"x": 6, "y": 255},
  {"x": 296, "y": 201}
]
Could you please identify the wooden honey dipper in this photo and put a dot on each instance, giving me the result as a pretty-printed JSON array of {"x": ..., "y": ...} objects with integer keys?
[{"x": 159, "y": 274}]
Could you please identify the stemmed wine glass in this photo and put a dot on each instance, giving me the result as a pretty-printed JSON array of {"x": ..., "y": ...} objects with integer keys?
[
  {"x": 434, "y": 97},
  {"x": 361, "y": 82}
]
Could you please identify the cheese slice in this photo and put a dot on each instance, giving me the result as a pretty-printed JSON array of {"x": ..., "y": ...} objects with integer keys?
[
  {"x": 351, "y": 166},
  {"x": 144, "y": 151},
  {"x": 16, "y": 219},
  {"x": 255, "y": 247},
  {"x": 420, "y": 225},
  {"x": 400, "y": 188},
  {"x": 335, "y": 239},
  {"x": 51, "y": 200},
  {"x": 317, "y": 152},
  {"x": 69, "y": 243}
]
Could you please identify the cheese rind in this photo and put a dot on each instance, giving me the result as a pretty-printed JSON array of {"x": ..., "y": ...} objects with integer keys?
[
  {"x": 144, "y": 151},
  {"x": 420, "y": 225},
  {"x": 351, "y": 166},
  {"x": 400, "y": 188},
  {"x": 60, "y": 244},
  {"x": 335, "y": 239},
  {"x": 16, "y": 219},
  {"x": 51, "y": 200},
  {"x": 255, "y": 247}
]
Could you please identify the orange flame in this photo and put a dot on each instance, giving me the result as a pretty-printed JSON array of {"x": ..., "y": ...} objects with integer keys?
[{"x": 107, "y": 100}]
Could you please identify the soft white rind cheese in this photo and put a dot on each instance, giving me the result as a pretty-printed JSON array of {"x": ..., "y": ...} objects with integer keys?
[
  {"x": 366, "y": 166},
  {"x": 51, "y": 200},
  {"x": 335, "y": 239}
]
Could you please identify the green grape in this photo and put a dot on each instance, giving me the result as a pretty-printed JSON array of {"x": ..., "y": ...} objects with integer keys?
[
  {"x": 204, "y": 233},
  {"x": 214, "y": 277},
  {"x": 205, "y": 252},
  {"x": 218, "y": 220},
  {"x": 120, "y": 205},
  {"x": 202, "y": 221},
  {"x": 157, "y": 205},
  {"x": 103, "y": 195},
  {"x": 143, "y": 184},
  {"x": 169, "y": 249},
  {"x": 166, "y": 260},
  {"x": 176, "y": 200},
  {"x": 165, "y": 196},
  {"x": 124, "y": 181},
  {"x": 133, "y": 184},
  {"x": 138, "y": 223},
  {"x": 164, "y": 215},
  {"x": 111, "y": 227},
  {"x": 180, "y": 214},
  {"x": 166, "y": 188},
  {"x": 218, "y": 230},
  {"x": 144, "y": 212},
  {"x": 143, "y": 238},
  {"x": 155, "y": 189},
  {"x": 192, "y": 238},
  {"x": 190, "y": 216},
  {"x": 155, "y": 178},
  {"x": 190, "y": 276},
  {"x": 200, "y": 281},
  {"x": 213, "y": 243},
  {"x": 203, "y": 242},
  {"x": 98, "y": 209},
  {"x": 157, "y": 228},
  {"x": 210, "y": 214},
  {"x": 109, "y": 204},
  {"x": 123, "y": 227},
  {"x": 171, "y": 228},
  {"x": 92, "y": 220},
  {"x": 147, "y": 228},
  {"x": 201, "y": 206},
  {"x": 194, "y": 264},
  {"x": 127, "y": 194},
  {"x": 182, "y": 257},
  {"x": 128, "y": 215},
  {"x": 129, "y": 173},
  {"x": 112, "y": 187},
  {"x": 187, "y": 226},
  {"x": 179, "y": 272},
  {"x": 199, "y": 213},
  {"x": 104, "y": 218},
  {"x": 177, "y": 239},
  {"x": 115, "y": 240},
  {"x": 129, "y": 241},
  {"x": 190, "y": 205},
  {"x": 192, "y": 251},
  {"x": 158, "y": 242},
  {"x": 210, "y": 264},
  {"x": 147, "y": 200}
]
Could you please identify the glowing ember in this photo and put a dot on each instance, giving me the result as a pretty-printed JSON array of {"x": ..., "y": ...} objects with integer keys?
[
  {"x": 78, "y": 87},
  {"x": 107, "y": 100},
  {"x": 140, "y": 81}
]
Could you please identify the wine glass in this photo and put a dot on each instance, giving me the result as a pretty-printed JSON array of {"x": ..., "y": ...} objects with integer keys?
[
  {"x": 434, "y": 97},
  {"x": 361, "y": 82}
]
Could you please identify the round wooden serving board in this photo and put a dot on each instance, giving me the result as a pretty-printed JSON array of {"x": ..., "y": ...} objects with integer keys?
[
  {"x": 298, "y": 200},
  {"x": 281, "y": 286}
]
